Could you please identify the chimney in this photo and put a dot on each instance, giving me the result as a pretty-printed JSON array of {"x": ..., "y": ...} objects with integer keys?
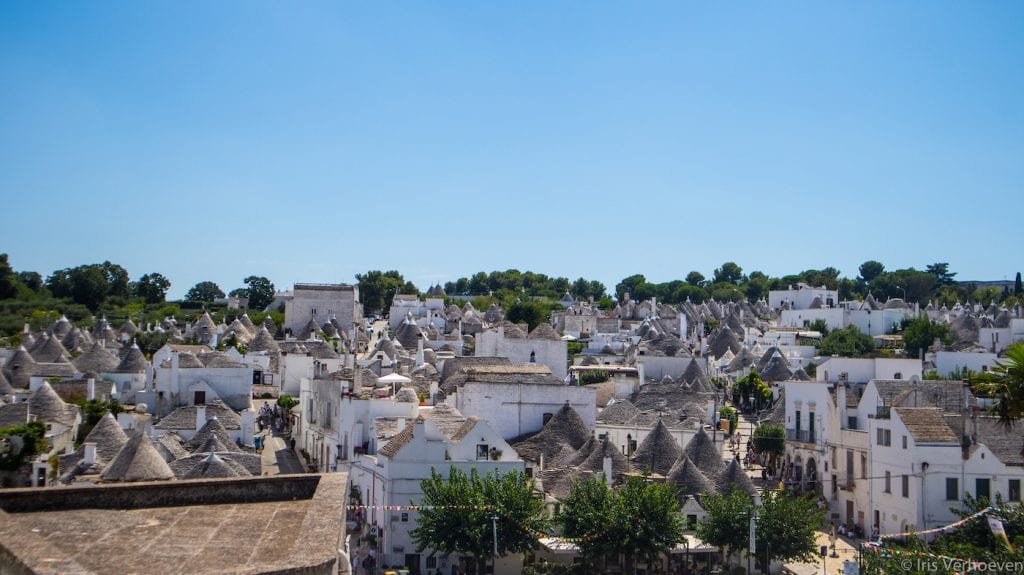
[
  {"x": 200, "y": 416},
  {"x": 606, "y": 468},
  {"x": 90, "y": 389},
  {"x": 419, "y": 350},
  {"x": 90, "y": 453},
  {"x": 841, "y": 401},
  {"x": 640, "y": 372},
  {"x": 248, "y": 425},
  {"x": 682, "y": 326},
  {"x": 542, "y": 462}
]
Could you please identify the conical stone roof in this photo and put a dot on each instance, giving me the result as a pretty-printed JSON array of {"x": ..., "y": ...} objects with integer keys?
[
  {"x": 264, "y": 341},
  {"x": 133, "y": 361},
  {"x": 52, "y": 351},
  {"x": 212, "y": 429},
  {"x": 734, "y": 477},
  {"x": 45, "y": 404},
  {"x": 703, "y": 453},
  {"x": 20, "y": 367},
  {"x": 96, "y": 359},
  {"x": 564, "y": 432},
  {"x": 690, "y": 480},
  {"x": 211, "y": 467},
  {"x": 138, "y": 460},
  {"x": 658, "y": 451}
]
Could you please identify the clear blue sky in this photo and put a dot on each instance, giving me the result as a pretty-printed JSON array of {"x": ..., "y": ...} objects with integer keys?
[{"x": 311, "y": 141}]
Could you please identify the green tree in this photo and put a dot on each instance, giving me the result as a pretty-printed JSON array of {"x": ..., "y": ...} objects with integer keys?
[
  {"x": 639, "y": 520},
  {"x": 457, "y": 517},
  {"x": 819, "y": 325},
  {"x": 1017, "y": 288},
  {"x": 695, "y": 278},
  {"x": 727, "y": 524},
  {"x": 1005, "y": 383},
  {"x": 728, "y": 273},
  {"x": 33, "y": 281},
  {"x": 921, "y": 332},
  {"x": 260, "y": 291},
  {"x": 8, "y": 279},
  {"x": 770, "y": 440},
  {"x": 33, "y": 436},
  {"x": 206, "y": 291},
  {"x": 286, "y": 401},
  {"x": 152, "y": 288},
  {"x": 531, "y": 312},
  {"x": 847, "y": 342},
  {"x": 786, "y": 527},
  {"x": 870, "y": 269},
  {"x": 628, "y": 285},
  {"x": 941, "y": 272},
  {"x": 377, "y": 289}
]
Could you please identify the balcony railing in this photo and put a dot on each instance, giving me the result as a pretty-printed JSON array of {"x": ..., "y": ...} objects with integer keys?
[{"x": 800, "y": 435}]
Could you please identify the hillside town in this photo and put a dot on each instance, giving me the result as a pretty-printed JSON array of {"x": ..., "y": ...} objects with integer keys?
[{"x": 330, "y": 435}]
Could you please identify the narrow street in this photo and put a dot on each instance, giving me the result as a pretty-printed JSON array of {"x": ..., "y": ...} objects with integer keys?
[{"x": 278, "y": 458}]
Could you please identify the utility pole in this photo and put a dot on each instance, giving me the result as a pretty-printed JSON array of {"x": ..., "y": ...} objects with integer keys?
[{"x": 494, "y": 529}]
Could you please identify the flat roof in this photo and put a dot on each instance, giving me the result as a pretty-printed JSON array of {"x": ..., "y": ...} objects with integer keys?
[{"x": 277, "y": 524}]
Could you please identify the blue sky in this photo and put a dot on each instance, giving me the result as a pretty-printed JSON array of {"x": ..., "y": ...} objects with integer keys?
[{"x": 312, "y": 141}]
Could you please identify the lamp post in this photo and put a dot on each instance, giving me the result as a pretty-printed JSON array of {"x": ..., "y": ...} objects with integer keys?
[{"x": 494, "y": 529}]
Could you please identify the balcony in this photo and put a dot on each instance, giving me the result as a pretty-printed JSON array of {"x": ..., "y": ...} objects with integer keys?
[
  {"x": 847, "y": 484},
  {"x": 800, "y": 435}
]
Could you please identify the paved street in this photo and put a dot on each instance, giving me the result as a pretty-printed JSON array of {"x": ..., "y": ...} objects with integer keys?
[{"x": 278, "y": 458}]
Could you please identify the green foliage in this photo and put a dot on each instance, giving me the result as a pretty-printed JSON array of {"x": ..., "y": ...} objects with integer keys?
[
  {"x": 847, "y": 342},
  {"x": 90, "y": 285},
  {"x": 204, "y": 291},
  {"x": 728, "y": 273},
  {"x": 583, "y": 289},
  {"x": 1005, "y": 382},
  {"x": 528, "y": 284},
  {"x": 533, "y": 313},
  {"x": 770, "y": 439},
  {"x": 93, "y": 411},
  {"x": 727, "y": 521},
  {"x": 870, "y": 269},
  {"x": 8, "y": 280},
  {"x": 463, "y": 523},
  {"x": 695, "y": 278},
  {"x": 593, "y": 376},
  {"x": 921, "y": 332},
  {"x": 820, "y": 326},
  {"x": 638, "y": 520},
  {"x": 629, "y": 285},
  {"x": 33, "y": 436},
  {"x": 941, "y": 272},
  {"x": 259, "y": 290},
  {"x": 751, "y": 388},
  {"x": 286, "y": 401},
  {"x": 727, "y": 413},
  {"x": 786, "y": 526},
  {"x": 152, "y": 288},
  {"x": 377, "y": 289}
]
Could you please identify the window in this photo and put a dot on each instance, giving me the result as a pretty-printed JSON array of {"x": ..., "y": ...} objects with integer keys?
[
  {"x": 884, "y": 437},
  {"x": 904, "y": 442},
  {"x": 312, "y": 311},
  {"x": 897, "y": 375},
  {"x": 798, "y": 418},
  {"x": 481, "y": 451},
  {"x": 952, "y": 489},
  {"x": 851, "y": 422},
  {"x": 888, "y": 482},
  {"x": 982, "y": 487},
  {"x": 1014, "y": 490},
  {"x": 905, "y": 480},
  {"x": 863, "y": 466},
  {"x": 199, "y": 398},
  {"x": 691, "y": 521},
  {"x": 431, "y": 562},
  {"x": 405, "y": 517}
]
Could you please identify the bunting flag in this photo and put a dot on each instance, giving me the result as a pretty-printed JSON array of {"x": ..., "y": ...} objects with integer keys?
[
  {"x": 937, "y": 529},
  {"x": 417, "y": 508}
]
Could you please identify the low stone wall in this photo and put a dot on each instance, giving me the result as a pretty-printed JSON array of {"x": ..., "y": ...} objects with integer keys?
[{"x": 160, "y": 494}]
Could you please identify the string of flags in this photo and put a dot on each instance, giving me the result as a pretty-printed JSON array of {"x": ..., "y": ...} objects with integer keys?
[
  {"x": 417, "y": 508},
  {"x": 942, "y": 529}
]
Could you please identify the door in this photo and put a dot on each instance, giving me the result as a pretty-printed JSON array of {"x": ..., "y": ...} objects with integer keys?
[
  {"x": 412, "y": 563},
  {"x": 199, "y": 398},
  {"x": 849, "y": 512}
]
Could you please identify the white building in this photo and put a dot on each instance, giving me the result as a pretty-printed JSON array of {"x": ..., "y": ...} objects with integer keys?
[
  {"x": 803, "y": 297},
  {"x": 440, "y": 439},
  {"x": 517, "y": 399},
  {"x": 542, "y": 346},
  {"x": 864, "y": 369},
  {"x": 322, "y": 303}
]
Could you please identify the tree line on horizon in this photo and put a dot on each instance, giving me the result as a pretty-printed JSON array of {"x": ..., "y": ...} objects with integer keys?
[{"x": 107, "y": 288}]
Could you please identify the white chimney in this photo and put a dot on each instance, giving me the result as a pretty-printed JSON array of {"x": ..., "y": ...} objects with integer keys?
[
  {"x": 542, "y": 462},
  {"x": 200, "y": 416},
  {"x": 640, "y": 372},
  {"x": 419, "y": 350},
  {"x": 682, "y": 326},
  {"x": 606, "y": 468},
  {"x": 90, "y": 453},
  {"x": 90, "y": 389}
]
